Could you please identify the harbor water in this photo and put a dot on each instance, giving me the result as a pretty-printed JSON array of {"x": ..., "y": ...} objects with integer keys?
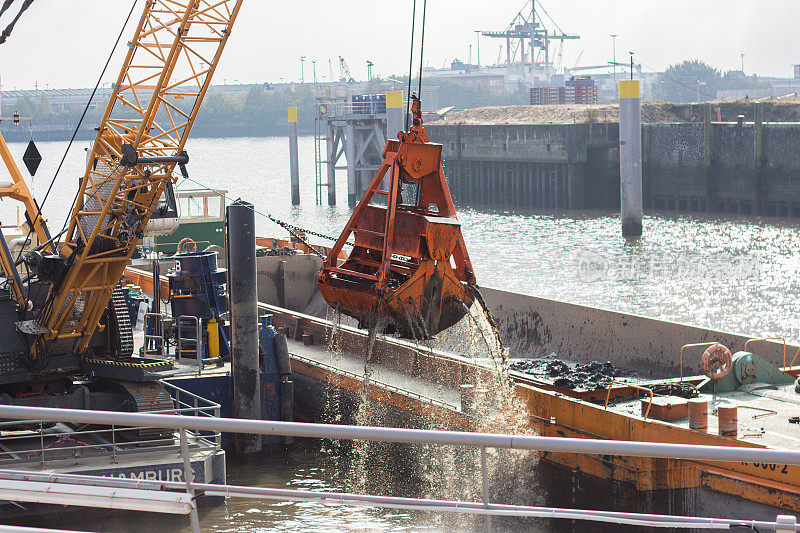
[{"x": 739, "y": 275}]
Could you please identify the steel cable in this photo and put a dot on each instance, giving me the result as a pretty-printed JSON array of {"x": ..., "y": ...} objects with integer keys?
[
  {"x": 411, "y": 58},
  {"x": 291, "y": 228},
  {"x": 39, "y": 207},
  {"x": 6, "y": 32},
  {"x": 6, "y": 5}
]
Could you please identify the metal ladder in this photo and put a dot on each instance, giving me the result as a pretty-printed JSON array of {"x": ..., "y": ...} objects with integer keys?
[{"x": 320, "y": 162}]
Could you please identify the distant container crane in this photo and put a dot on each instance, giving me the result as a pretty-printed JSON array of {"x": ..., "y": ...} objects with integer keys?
[
  {"x": 528, "y": 36},
  {"x": 344, "y": 71}
]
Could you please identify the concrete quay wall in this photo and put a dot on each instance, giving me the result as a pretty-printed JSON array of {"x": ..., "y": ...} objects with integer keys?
[{"x": 751, "y": 168}]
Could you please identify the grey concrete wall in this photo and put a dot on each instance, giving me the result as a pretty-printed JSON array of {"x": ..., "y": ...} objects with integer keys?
[
  {"x": 752, "y": 168},
  {"x": 675, "y": 160},
  {"x": 536, "y": 327},
  {"x": 536, "y": 166},
  {"x": 287, "y": 280}
]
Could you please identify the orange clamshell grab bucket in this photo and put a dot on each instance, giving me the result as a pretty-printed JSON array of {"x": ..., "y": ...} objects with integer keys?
[{"x": 409, "y": 270}]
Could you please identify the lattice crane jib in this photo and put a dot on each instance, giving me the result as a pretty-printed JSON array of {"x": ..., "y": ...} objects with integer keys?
[{"x": 166, "y": 73}]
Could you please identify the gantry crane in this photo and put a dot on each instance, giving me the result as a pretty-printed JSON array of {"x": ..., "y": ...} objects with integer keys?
[{"x": 60, "y": 313}]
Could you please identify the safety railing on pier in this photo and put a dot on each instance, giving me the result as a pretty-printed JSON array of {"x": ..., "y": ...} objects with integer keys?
[
  {"x": 341, "y": 109},
  {"x": 39, "y": 442},
  {"x": 180, "y": 496}
]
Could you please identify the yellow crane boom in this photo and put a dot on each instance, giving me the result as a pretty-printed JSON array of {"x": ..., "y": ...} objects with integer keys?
[{"x": 166, "y": 73}]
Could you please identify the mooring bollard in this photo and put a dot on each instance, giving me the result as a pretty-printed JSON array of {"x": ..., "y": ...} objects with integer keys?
[{"x": 247, "y": 400}]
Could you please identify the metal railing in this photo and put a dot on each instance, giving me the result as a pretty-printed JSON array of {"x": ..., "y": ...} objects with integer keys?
[
  {"x": 156, "y": 339},
  {"x": 748, "y": 341},
  {"x": 32, "y": 440},
  {"x": 692, "y": 345},
  {"x": 632, "y": 386},
  {"x": 340, "y": 108},
  {"x": 409, "y": 436},
  {"x": 21, "y": 529}
]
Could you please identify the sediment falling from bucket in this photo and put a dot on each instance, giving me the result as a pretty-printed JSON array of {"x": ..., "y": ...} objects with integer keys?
[
  {"x": 332, "y": 407},
  {"x": 455, "y": 473},
  {"x": 442, "y": 472}
]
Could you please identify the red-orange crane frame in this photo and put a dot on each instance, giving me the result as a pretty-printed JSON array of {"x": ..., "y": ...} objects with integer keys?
[{"x": 410, "y": 263}]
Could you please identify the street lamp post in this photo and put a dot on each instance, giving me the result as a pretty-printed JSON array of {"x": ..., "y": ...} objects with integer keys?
[
  {"x": 742, "y": 58},
  {"x": 314, "y": 69},
  {"x": 699, "y": 83},
  {"x": 614, "y": 55},
  {"x": 631, "y": 53},
  {"x": 302, "y": 65},
  {"x": 478, "y": 40}
]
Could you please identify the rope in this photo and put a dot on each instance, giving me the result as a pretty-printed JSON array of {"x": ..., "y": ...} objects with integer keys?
[
  {"x": 6, "y": 32},
  {"x": 6, "y": 5},
  {"x": 411, "y": 59},
  {"x": 422, "y": 46},
  {"x": 291, "y": 228}
]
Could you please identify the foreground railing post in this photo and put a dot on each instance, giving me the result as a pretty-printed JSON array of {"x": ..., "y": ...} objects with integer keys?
[
  {"x": 188, "y": 476},
  {"x": 485, "y": 475},
  {"x": 113, "y": 443},
  {"x": 41, "y": 441}
]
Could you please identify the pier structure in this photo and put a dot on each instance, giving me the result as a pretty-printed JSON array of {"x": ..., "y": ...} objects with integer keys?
[{"x": 353, "y": 126}]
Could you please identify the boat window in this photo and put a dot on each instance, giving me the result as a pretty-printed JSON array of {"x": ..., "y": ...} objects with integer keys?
[
  {"x": 215, "y": 206},
  {"x": 191, "y": 207}
]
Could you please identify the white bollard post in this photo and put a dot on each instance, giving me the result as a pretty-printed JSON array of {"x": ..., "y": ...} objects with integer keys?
[
  {"x": 294, "y": 168},
  {"x": 630, "y": 158},
  {"x": 394, "y": 114}
]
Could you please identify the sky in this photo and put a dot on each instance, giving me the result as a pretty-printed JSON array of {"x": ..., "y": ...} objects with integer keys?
[{"x": 64, "y": 43}]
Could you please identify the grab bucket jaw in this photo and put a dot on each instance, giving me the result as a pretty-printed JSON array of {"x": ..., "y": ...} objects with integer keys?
[{"x": 409, "y": 268}]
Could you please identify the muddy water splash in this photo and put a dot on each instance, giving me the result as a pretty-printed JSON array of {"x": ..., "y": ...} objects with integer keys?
[
  {"x": 440, "y": 472},
  {"x": 332, "y": 407}
]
